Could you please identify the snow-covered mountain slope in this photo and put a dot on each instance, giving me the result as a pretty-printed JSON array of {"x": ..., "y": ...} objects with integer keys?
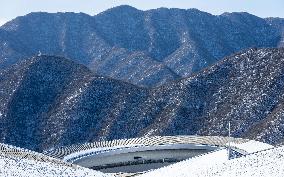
[
  {"x": 50, "y": 101},
  {"x": 265, "y": 163},
  {"x": 36, "y": 93},
  {"x": 147, "y": 48}
]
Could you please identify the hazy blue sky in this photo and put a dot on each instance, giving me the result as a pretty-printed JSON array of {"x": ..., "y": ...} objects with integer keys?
[{"x": 10, "y": 9}]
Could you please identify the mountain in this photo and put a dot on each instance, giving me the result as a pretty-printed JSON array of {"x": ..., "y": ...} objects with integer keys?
[
  {"x": 37, "y": 92},
  {"x": 145, "y": 48},
  {"x": 278, "y": 24},
  {"x": 49, "y": 101},
  {"x": 245, "y": 89}
]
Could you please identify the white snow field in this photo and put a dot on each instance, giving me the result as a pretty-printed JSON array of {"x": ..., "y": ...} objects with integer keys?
[
  {"x": 265, "y": 163},
  {"x": 19, "y": 162},
  {"x": 14, "y": 166}
]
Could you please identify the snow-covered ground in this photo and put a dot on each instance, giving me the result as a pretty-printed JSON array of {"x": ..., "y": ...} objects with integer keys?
[
  {"x": 19, "y": 167},
  {"x": 264, "y": 163},
  {"x": 18, "y": 162}
]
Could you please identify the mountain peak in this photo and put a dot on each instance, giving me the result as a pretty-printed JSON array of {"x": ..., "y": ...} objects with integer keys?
[
  {"x": 121, "y": 8},
  {"x": 175, "y": 42}
]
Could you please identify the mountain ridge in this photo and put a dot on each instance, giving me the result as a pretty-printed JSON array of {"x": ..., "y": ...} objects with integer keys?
[
  {"x": 75, "y": 105},
  {"x": 146, "y": 48}
]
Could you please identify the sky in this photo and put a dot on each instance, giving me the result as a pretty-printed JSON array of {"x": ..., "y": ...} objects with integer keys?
[{"x": 10, "y": 9}]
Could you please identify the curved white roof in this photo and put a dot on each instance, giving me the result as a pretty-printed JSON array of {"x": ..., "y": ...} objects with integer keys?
[
  {"x": 265, "y": 163},
  {"x": 148, "y": 141}
]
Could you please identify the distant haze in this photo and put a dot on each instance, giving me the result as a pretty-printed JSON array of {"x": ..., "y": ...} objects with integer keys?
[{"x": 263, "y": 8}]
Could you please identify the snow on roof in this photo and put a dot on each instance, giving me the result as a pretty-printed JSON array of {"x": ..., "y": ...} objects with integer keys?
[
  {"x": 264, "y": 163},
  {"x": 252, "y": 146},
  {"x": 185, "y": 168}
]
